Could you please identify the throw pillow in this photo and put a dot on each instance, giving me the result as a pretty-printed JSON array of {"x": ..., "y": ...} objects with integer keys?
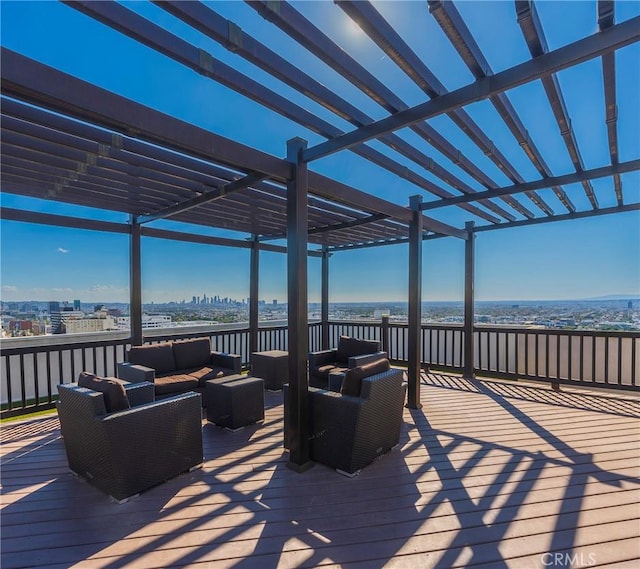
[
  {"x": 352, "y": 382},
  {"x": 115, "y": 396},
  {"x": 377, "y": 366}
]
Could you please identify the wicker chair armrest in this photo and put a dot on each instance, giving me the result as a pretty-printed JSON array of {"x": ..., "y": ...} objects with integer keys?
[
  {"x": 135, "y": 373},
  {"x": 229, "y": 361},
  {"x": 151, "y": 428},
  {"x": 324, "y": 357},
  {"x": 175, "y": 405},
  {"x": 140, "y": 393},
  {"x": 355, "y": 361}
]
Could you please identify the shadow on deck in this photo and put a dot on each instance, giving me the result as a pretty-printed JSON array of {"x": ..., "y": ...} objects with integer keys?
[{"x": 487, "y": 473}]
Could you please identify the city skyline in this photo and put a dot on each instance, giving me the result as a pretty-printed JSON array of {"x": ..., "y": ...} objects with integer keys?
[{"x": 582, "y": 258}]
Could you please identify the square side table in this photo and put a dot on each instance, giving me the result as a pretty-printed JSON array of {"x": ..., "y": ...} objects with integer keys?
[
  {"x": 272, "y": 366},
  {"x": 235, "y": 401}
]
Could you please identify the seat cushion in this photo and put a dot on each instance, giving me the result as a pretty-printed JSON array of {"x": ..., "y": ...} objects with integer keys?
[
  {"x": 156, "y": 356},
  {"x": 323, "y": 371},
  {"x": 202, "y": 374},
  {"x": 112, "y": 389},
  {"x": 349, "y": 347},
  {"x": 352, "y": 382},
  {"x": 192, "y": 353},
  {"x": 175, "y": 383}
]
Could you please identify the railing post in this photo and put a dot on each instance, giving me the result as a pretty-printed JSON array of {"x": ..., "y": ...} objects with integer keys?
[
  {"x": 415, "y": 303},
  {"x": 135, "y": 284},
  {"x": 254, "y": 288},
  {"x": 297, "y": 235},
  {"x": 324, "y": 307},
  {"x": 469, "y": 278},
  {"x": 384, "y": 335}
]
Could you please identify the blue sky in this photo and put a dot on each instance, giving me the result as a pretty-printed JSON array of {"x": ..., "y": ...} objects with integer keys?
[{"x": 575, "y": 259}]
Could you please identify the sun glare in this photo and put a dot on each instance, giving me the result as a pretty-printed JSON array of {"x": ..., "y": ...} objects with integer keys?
[{"x": 353, "y": 29}]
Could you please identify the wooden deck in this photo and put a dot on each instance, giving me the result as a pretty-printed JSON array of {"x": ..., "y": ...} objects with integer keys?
[{"x": 487, "y": 474}]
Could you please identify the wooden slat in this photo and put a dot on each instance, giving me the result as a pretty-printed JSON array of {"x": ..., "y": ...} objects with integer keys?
[{"x": 487, "y": 474}]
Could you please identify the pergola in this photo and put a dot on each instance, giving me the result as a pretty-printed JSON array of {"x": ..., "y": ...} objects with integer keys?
[{"x": 67, "y": 140}]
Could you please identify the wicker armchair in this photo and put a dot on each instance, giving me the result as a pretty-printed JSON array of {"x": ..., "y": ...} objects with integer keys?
[
  {"x": 327, "y": 367},
  {"x": 348, "y": 432},
  {"x": 125, "y": 452}
]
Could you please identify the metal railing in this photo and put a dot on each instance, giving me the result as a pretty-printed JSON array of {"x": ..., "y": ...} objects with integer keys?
[{"x": 31, "y": 368}]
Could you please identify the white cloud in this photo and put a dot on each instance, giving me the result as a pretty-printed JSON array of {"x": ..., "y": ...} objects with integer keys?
[
  {"x": 61, "y": 250},
  {"x": 9, "y": 288}
]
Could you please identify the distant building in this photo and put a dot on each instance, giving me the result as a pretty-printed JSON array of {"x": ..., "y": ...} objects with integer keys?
[
  {"x": 99, "y": 321},
  {"x": 60, "y": 314},
  {"x": 149, "y": 321},
  {"x": 20, "y": 328}
]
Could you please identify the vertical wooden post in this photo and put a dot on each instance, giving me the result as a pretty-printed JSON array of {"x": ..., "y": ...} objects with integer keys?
[
  {"x": 384, "y": 335},
  {"x": 324, "y": 306},
  {"x": 415, "y": 303},
  {"x": 135, "y": 283},
  {"x": 298, "y": 330},
  {"x": 254, "y": 291},
  {"x": 469, "y": 300}
]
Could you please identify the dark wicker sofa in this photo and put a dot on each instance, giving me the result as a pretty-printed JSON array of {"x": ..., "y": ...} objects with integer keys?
[
  {"x": 178, "y": 366},
  {"x": 327, "y": 367},
  {"x": 124, "y": 452},
  {"x": 348, "y": 430}
]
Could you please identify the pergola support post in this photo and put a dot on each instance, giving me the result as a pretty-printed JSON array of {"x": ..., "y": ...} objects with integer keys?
[
  {"x": 469, "y": 301},
  {"x": 415, "y": 303},
  {"x": 135, "y": 283},
  {"x": 324, "y": 301},
  {"x": 254, "y": 288},
  {"x": 298, "y": 341},
  {"x": 384, "y": 335}
]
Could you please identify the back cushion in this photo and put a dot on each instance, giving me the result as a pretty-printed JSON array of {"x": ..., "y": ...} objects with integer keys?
[
  {"x": 348, "y": 347},
  {"x": 192, "y": 353},
  {"x": 115, "y": 396},
  {"x": 352, "y": 382},
  {"x": 156, "y": 356}
]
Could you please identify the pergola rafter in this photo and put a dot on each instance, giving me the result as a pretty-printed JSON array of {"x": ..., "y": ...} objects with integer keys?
[
  {"x": 606, "y": 18},
  {"x": 399, "y": 51},
  {"x": 537, "y": 44},
  {"x": 210, "y": 23},
  {"x": 542, "y": 66},
  {"x": 304, "y": 32},
  {"x": 460, "y": 36}
]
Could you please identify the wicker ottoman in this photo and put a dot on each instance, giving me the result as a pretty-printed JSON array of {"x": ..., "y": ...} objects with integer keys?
[
  {"x": 272, "y": 366},
  {"x": 235, "y": 401}
]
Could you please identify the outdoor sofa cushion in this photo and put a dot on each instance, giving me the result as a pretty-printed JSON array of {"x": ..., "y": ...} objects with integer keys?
[
  {"x": 193, "y": 353},
  {"x": 352, "y": 382},
  {"x": 112, "y": 389},
  {"x": 175, "y": 383},
  {"x": 157, "y": 356}
]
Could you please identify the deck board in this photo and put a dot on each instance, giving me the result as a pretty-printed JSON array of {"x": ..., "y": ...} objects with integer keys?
[{"x": 487, "y": 474}]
